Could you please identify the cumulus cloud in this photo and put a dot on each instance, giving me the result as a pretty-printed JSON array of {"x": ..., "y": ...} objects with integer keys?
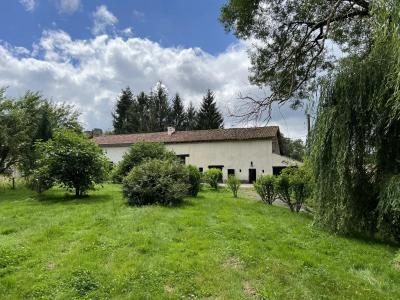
[
  {"x": 29, "y": 5},
  {"x": 68, "y": 6},
  {"x": 91, "y": 73},
  {"x": 103, "y": 20}
]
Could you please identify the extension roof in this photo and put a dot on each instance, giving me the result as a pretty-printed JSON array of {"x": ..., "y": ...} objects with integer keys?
[{"x": 195, "y": 136}]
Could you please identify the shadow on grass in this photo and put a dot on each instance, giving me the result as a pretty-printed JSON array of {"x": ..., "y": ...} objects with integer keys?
[{"x": 54, "y": 197}]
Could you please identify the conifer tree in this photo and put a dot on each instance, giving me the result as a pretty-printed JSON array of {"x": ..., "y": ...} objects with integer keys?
[
  {"x": 159, "y": 108},
  {"x": 209, "y": 117},
  {"x": 190, "y": 117},
  {"x": 123, "y": 109},
  {"x": 178, "y": 115}
]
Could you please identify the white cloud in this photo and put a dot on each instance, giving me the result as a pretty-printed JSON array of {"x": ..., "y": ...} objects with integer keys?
[
  {"x": 90, "y": 74},
  {"x": 29, "y": 5},
  {"x": 68, "y": 6},
  {"x": 103, "y": 19}
]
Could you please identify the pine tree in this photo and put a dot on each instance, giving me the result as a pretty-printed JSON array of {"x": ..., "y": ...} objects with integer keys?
[
  {"x": 209, "y": 117},
  {"x": 191, "y": 117},
  {"x": 143, "y": 109},
  {"x": 178, "y": 115},
  {"x": 159, "y": 108},
  {"x": 122, "y": 111}
]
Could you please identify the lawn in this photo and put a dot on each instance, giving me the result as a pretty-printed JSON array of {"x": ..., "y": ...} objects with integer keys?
[{"x": 212, "y": 246}]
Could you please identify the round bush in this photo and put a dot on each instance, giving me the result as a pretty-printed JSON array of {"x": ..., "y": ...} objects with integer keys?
[
  {"x": 139, "y": 153},
  {"x": 264, "y": 187},
  {"x": 156, "y": 181},
  {"x": 194, "y": 180}
]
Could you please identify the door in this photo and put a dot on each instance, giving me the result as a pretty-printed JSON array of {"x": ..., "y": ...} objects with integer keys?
[
  {"x": 217, "y": 167},
  {"x": 252, "y": 175},
  {"x": 231, "y": 172}
]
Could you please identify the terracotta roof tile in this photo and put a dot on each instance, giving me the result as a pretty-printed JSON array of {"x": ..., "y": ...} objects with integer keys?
[{"x": 232, "y": 134}]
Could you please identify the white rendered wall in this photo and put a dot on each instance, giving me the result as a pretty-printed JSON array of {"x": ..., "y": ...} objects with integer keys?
[{"x": 238, "y": 155}]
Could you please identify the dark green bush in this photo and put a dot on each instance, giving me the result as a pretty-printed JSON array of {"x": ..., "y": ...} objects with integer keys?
[
  {"x": 233, "y": 184},
  {"x": 212, "y": 176},
  {"x": 140, "y": 152},
  {"x": 194, "y": 180},
  {"x": 156, "y": 181},
  {"x": 264, "y": 187}
]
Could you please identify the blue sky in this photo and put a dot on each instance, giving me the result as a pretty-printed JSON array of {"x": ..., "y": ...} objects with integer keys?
[
  {"x": 185, "y": 23},
  {"x": 83, "y": 52}
]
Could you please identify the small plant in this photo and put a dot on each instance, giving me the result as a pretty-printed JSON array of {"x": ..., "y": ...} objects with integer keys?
[
  {"x": 264, "y": 187},
  {"x": 233, "y": 184},
  {"x": 156, "y": 182},
  {"x": 194, "y": 180},
  {"x": 83, "y": 282},
  {"x": 212, "y": 177}
]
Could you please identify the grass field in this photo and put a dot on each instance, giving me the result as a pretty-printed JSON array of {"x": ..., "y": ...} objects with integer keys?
[{"x": 213, "y": 246}]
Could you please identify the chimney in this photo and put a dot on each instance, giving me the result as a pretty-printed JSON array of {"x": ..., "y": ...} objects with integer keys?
[{"x": 170, "y": 130}]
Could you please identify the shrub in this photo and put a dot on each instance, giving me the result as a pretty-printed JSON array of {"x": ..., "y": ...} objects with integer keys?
[
  {"x": 116, "y": 174},
  {"x": 139, "y": 153},
  {"x": 389, "y": 209},
  {"x": 71, "y": 160},
  {"x": 282, "y": 188},
  {"x": 292, "y": 186},
  {"x": 233, "y": 184},
  {"x": 212, "y": 176},
  {"x": 194, "y": 180},
  {"x": 298, "y": 186},
  {"x": 264, "y": 187},
  {"x": 156, "y": 181}
]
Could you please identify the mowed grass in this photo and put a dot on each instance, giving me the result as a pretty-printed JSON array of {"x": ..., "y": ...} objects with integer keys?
[{"x": 212, "y": 246}]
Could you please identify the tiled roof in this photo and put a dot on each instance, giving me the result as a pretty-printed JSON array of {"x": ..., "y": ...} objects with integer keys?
[{"x": 232, "y": 134}]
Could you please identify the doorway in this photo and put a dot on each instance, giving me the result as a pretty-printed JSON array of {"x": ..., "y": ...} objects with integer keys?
[
  {"x": 231, "y": 172},
  {"x": 252, "y": 175}
]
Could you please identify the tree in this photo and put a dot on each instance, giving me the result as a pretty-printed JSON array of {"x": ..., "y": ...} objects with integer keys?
[
  {"x": 43, "y": 118},
  {"x": 71, "y": 160},
  {"x": 26, "y": 120},
  {"x": 159, "y": 109},
  {"x": 293, "y": 148},
  {"x": 291, "y": 42},
  {"x": 123, "y": 112},
  {"x": 355, "y": 143},
  {"x": 13, "y": 134},
  {"x": 143, "y": 111},
  {"x": 191, "y": 117},
  {"x": 209, "y": 117},
  {"x": 178, "y": 115}
]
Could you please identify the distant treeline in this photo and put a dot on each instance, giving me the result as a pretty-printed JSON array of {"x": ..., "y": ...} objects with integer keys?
[{"x": 154, "y": 112}]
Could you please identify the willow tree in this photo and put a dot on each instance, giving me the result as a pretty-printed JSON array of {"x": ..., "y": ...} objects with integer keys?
[{"x": 356, "y": 139}]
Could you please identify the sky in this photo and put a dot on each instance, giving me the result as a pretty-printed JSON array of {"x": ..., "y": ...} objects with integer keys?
[{"x": 83, "y": 52}]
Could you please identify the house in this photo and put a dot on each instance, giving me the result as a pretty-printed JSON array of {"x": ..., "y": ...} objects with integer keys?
[{"x": 245, "y": 152}]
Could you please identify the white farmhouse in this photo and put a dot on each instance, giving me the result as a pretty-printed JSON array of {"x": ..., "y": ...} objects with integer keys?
[{"x": 245, "y": 152}]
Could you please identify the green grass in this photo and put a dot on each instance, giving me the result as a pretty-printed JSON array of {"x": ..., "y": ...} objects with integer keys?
[{"x": 213, "y": 246}]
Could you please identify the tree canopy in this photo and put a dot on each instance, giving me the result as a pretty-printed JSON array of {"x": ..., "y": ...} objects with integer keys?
[
  {"x": 290, "y": 39},
  {"x": 356, "y": 140},
  {"x": 71, "y": 160},
  {"x": 25, "y": 121},
  {"x": 209, "y": 116}
]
